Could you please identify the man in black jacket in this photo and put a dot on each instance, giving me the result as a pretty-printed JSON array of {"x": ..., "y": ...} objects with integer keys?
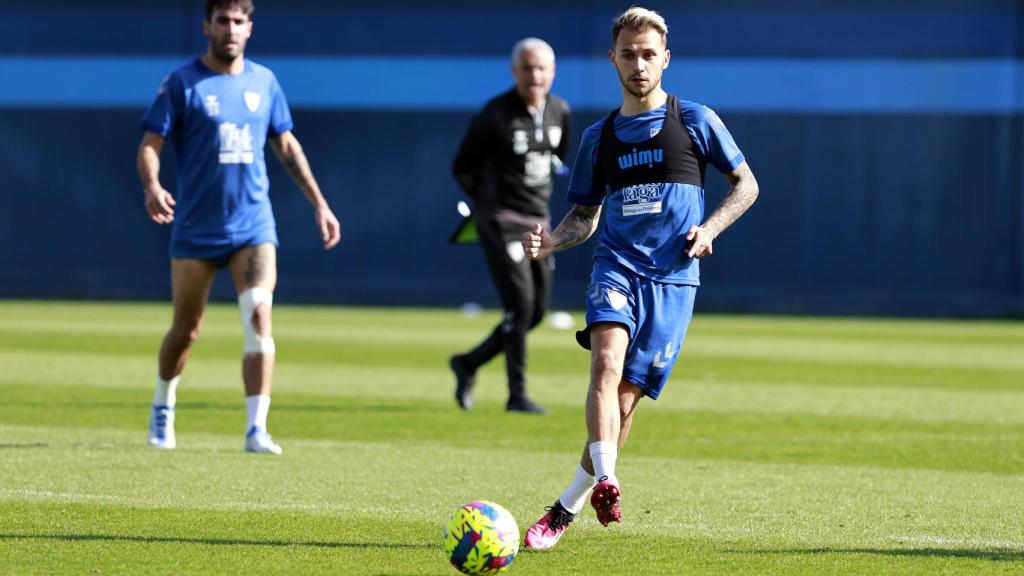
[{"x": 505, "y": 163}]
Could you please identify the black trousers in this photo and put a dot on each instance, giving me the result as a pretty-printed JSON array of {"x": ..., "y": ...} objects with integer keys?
[{"x": 524, "y": 286}]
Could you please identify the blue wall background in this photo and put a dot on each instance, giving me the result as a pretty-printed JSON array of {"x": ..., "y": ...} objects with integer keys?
[{"x": 887, "y": 138}]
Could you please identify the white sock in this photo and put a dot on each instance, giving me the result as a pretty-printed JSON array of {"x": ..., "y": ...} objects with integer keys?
[
  {"x": 575, "y": 496},
  {"x": 256, "y": 408},
  {"x": 603, "y": 454},
  {"x": 166, "y": 392}
]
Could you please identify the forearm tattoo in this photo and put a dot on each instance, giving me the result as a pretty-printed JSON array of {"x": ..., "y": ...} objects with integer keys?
[
  {"x": 577, "y": 226},
  {"x": 297, "y": 166},
  {"x": 743, "y": 193}
]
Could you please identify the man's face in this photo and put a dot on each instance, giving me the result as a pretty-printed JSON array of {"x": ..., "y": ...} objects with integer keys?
[
  {"x": 534, "y": 72},
  {"x": 640, "y": 58},
  {"x": 228, "y": 30}
]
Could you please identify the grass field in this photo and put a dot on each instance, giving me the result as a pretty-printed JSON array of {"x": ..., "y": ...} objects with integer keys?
[{"x": 781, "y": 445}]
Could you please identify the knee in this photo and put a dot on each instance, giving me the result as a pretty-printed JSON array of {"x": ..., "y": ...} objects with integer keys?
[
  {"x": 261, "y": 319},
  {"x": 186, "y": 330},
  {"x": 519, "y": 318},
  {"x": 538, "y": 315},
  {"x": 255, "y": 305}
]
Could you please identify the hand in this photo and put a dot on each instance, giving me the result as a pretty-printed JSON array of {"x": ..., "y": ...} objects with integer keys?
[
  {"x": 159, "y": 205},
  {"x": 537, "y": 244},
  {"x": 698, "y": 242},
  {"x": 330, "y": 228}
]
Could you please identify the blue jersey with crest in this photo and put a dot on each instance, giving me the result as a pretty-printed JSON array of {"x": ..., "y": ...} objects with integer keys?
[
  {"x": 218, "y": 125},
  {"x": 646, "y": 223}
]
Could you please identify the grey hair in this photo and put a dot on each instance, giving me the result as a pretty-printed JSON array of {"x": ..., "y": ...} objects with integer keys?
[{"x": 532, "y": 45}]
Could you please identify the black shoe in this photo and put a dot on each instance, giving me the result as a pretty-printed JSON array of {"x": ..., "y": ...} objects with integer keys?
[
  {"x": 465, "y": 379},
  {"x": 524, "y": 405}
]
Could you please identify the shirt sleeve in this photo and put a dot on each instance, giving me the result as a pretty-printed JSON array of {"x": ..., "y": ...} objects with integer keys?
[
  {"x": 168, "y": 107},
  {"x": 280, "y": 115},
  {"x": 586, "y": 186},
  {"x": 475, "y": 148},
  {"x": 715, "y": 141},
  {"x": 563, "y": 144}
]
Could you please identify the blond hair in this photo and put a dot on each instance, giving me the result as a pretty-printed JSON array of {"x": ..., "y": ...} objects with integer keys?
[{"x": 641, "y": 20}]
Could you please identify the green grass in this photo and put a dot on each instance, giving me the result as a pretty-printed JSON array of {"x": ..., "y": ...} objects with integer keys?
[{"x": 781, "y": 446}]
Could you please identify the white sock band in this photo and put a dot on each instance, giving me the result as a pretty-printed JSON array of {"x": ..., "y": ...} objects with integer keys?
[
  {"x": 166, "y": 391},
  {"x": 248, "y": 302},
  {"x": 256, "y": 409},
  {"x": 575, "y": 496},
  {"x": 603, "y": 454}
]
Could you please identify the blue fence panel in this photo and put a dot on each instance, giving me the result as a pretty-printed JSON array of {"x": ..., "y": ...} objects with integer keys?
[{"x": 886, "y": 137}]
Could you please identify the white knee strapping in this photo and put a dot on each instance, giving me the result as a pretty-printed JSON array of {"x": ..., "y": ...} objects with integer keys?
[{"x": 248, "y": 302}]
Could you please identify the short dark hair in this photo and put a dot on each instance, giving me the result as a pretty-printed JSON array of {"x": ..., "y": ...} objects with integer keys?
[{"x": 212, "y": 5}]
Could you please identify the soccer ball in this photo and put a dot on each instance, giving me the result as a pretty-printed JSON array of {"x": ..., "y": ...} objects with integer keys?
[{"x": 482, "y": 538}]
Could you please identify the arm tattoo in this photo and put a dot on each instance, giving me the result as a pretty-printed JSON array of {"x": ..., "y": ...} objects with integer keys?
[
  {"x": 743, "y": 193},
  {"x": 577, "y": 226},
  {"x": 297, "y": 166}
]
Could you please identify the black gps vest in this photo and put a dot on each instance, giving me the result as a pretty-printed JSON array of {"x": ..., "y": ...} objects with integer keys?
[{"x": 670, "y": 156}]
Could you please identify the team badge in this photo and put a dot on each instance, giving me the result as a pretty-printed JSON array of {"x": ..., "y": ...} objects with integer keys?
[
  {"x": 555, "y": 135},
  {"x": 615, "y": 298},
  {"x": 252, "y": 100}
]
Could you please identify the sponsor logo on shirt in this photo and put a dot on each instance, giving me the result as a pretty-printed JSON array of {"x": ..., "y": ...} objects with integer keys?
[
  {"x": 537, "y": 168},
  {"x": 235, "y": 144},
  {"x": 519, "y": 142},
  {"x": 641, "y": 199},
  {"x": 636, "y": 158}
]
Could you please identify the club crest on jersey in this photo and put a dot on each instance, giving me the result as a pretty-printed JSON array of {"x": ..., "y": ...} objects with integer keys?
[
  {"x": 615, "y": 298},
  {"x": 212, "y": 105},
  {"x": 636, "y": 158},
  {"x": 555, "y": 135},
  {"x": 252, "y": 100}
]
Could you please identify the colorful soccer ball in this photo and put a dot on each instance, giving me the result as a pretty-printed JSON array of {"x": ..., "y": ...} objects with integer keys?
[{"x": 482, "y": 538}]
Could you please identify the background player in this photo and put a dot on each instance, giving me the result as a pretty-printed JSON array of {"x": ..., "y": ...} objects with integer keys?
[
  {"x": 650, "y": 156},
  {"x": 219, "y": 110},
  {"x": 505, "y": 165}
]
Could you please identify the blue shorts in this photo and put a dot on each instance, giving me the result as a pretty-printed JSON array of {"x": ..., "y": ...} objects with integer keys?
[
  {"x": 656, "y": 315},
  {"x": 219, "y": 249}
]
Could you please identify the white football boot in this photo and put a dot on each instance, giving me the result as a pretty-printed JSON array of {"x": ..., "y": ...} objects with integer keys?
[
  {"x": 260, "y": 442},
  {"x": 161, "y": 428}
]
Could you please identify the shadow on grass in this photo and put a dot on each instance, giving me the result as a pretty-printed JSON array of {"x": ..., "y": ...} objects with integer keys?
[
  {"x": 27, "y": 445},
  {"x": 989, "y": 554},
  {"x": 207, "y": 541}
]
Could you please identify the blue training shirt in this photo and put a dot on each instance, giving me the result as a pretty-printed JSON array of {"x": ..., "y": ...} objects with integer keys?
[
  {"x": 653, "y": 244},
  {"x": 218, "y": 125}
]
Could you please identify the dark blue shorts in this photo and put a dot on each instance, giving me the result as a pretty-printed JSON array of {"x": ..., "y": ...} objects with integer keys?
[
  {"x": 220, "y": 249},
  {"x": 656, "y": 315}
]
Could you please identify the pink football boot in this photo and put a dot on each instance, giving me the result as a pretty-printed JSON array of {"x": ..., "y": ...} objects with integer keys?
[
  {"x": 546, "y": 532},
  {"x": 605, "y": 499}
]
